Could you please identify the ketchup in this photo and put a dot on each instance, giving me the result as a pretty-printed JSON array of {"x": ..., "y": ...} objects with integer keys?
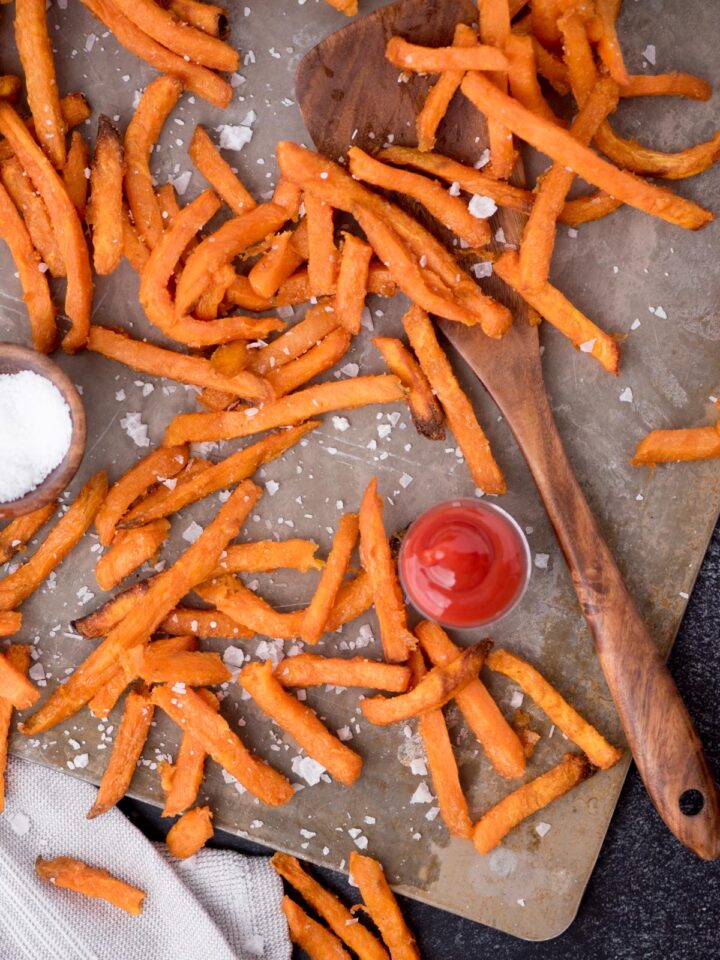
[{"x": 464, "y": 563}]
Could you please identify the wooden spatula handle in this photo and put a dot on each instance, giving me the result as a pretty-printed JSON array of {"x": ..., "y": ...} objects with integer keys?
[{"x": 662, "y": 737}]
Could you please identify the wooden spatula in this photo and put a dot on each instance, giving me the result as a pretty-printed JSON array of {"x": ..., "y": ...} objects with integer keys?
[{"x": 349, "y": 94}]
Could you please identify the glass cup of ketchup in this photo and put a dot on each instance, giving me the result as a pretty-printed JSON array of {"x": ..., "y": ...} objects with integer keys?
[{"x": 464, "y": 563}]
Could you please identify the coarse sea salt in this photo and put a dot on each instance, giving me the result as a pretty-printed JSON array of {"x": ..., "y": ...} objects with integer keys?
[{"x": 35, "y": 432}]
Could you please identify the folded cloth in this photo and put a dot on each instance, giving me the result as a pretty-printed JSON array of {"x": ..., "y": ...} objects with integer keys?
[{"x": 218, "y": 904}]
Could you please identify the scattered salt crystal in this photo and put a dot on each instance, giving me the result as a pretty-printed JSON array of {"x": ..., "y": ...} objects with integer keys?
[
  {"x": 344, "y": 733},
  {"x": 521, "y": 902},
  {"x": 542, "y": 828},
  {"x": 81, "y": 761},
  {"x": 237, "y": 80},
  {"x": 454, "y": 189},
  {"x": 36, "y": 672},
  {"x": 483, "y": 160},
  {"x": 516, "y": 701},
  {"x": 659, "y": 312},
  {"x": 384, "y": 430},
  {"x": 90, "y": 41},
  {"x": 137, "y": 430},
  {"x": 370, "y": 821},
  {"x": 308, "y": 834},
  {"x": 270, "y": 650},
  {"x": 422, "y": 794},
  {"x": 541, "y": 560},
  {"x": 362, "y": 843},
  {"x": 341, "y": 423},
  {"x": 639, "y": 497},
  {"x": 482, "y": 269},
  {"x": 418, "y": 767},
  {"x": 635, "y": 324},
  {"x": 307, "y": 768},
  {"x": 481, "y": 207},
  {"x": 500, "y": 235},
  {"x": 272, "y": 487},
  {"x": 650, "y": 53},
  {"x": 587, "y": 347},
  {"x": 234, "y": 137},
  {"x": 685, "y": 596},
  {"x": 432, "y": 813},
  {"x": 626, "y": 396},
  {"x": 192, "y": 532},
  {"x": 19, "y": 823},
  {"x": 181, "y": 182},
  {"x": 179, "y": 687},
  {"x": 350, "y": 369},
  {"x": 572, "y": 233}
]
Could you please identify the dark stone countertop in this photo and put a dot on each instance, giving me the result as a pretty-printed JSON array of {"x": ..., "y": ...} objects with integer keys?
[{"x": 648, "y": 897}]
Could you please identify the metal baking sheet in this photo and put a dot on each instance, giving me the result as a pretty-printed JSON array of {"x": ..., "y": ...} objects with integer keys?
[{"x": 653, "y": 284}]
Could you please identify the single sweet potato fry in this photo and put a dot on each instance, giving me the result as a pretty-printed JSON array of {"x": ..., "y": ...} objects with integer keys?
[
  {"x": 301, "y": 722},
  {"x": 161, "y": 464},
  {"x": 481, "y": 713},
  {"x": 130, "y": 549},
  {"x": 74, "y": 108},
  {"x": 320, "y": 320},
  {"x": 182, "y": 38},
  {"x": 608, "y": 45},
  {"x": 434, "y": 690},
  {"x": 16, "y": 535},
  {"x": 352, "y": 282},
  {"x": 311, "y": 670},
  {"x": 218, "y": 173},
  {"x": 673, "y": 84},
  {"x": 246, "y": 608},
  {"x": 212, "y": 732},
  {"x": 595, "y": 747},
  {"x": 105, "y": 211},
  {"x": 318, "y": 612},
  {"x": 523, "y": 77},
  {"x": 494, "y": 23},
  {"x": 296, "y": 289},
  {"x": 93, "y": 882},
  {"x": 317, "y": 941},
  {"x": 425, "y": 409},
  {"x": 73, "y": 173},
  {"x": 230, "y": 358},
  {"x": 190, "y": 833},
  {"x": 164, "y": 490},
  {"x": 417, "y": 59},
  {"x": 461, "y": 418},
  {"x": 264, "y": 556},
  {"x": 288, "y": 195},
  {"x": 673, "y": 446},
  {"x": 323, "y": 255},
  {"x": 18, "y": 656},
  {"x": 70, "y": 528},
  {"x": 195, "y": 668},
  {"x": 357, "y": 937},
  {"x": 133, "y": 246},
  {"x": 499, "y": 820},
  {"x": 34, "y": 213},
  {"x": 129, "y": 742},
  {"x": 382, "y": 906},
  {"x": 441, "y": 93},
  {"x": 377, "y": 560},
  {"x": 101, "y": 621},
  {"x": 324, "y": 355},
  {"x": 441, "y": 761},
  {"x": 207, "y": 17},
  {"x": 241, "y": 294},
  {"x": 205, "y": 624},
  {"x": 181, "y": 781},
  {"x": 10, "y": 623},
  {"x": 279, "y": 262}
]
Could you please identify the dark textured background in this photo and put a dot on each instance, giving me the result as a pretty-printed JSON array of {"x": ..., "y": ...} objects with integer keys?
[{"x": 648, "y": 897}]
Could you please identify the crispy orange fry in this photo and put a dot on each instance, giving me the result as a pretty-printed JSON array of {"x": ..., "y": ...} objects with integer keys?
[
  {"x": 162, "y": 492},
  {"x": 161, "y": 464},
  {"x": 296, "y": 289},
  {"x": 320, "y": 320},
  {"x": 499, "y": 820},
  {"x": 15, "y": 686},
  {"x": 460, "y": 415},
  {"x": 233, "y": 598},
  {"x": 34, "y": 213},
  {"x": 65, "y": 222},
  {"x": 557, "y": 310},
  {"x": 318, "y": 612},
  {"x": 73, "y": 173},
  {"x": 230, "y": 358},
  {"x": 181, "y": 781},
  {"x": 10, "y": 623},
  {"x": 36, "y": 55},
  {"x": 129, "y": 742},
  {"x": 216, "y": 738},
  {"x": 180, "y": 37},
  {"x": 667, "y": 85},
  {"x": 397, "y": 641},
  {"x": 324, "y": 355},
  {"x": 301, "y": 722},
  {"x": 75, "y": 110},
  {"x": 494, "y": 17},
  {"x": 278, "y": 263},
  {"x": 595, "y": 747},
  {"x": 523, "y": 79},
  {"x": 562, "y": 147},
  {"x": 197, "y": 79},
  {"x": 348, "y": 7},
  {"x": 218, "y": 173},
  {"x": 481, "y": 713},
  {"x": 164, "y": 593},
  {"x": 130, "y": 549},
  {"x": 190, "y": 833},
  {"x": 425, "y": 410},
  {"x": 207, "y": 17},
  {"x": 382, "y": 906},
  {"x": 441, "y": 93},
  {"x": 317, "y": 941},
  {"x": 18, "y": 656},
  {"x": 206, "y": 624},
  {"x": 93, "y": 882},
  {"x": 441, "y": 684},
  {"x": 134, "y": 249},
  {"x": 147, "y": 358},
  {"x": 333, "y": 912},
  {"x": 311, "y": 670},
  {"x": 36, "y": 292},
  {"x": 241, "y": 294},
  {"x": 608, "y": 45},
  {"x": 105, "y": 210},
  {"x": 322, "y": 253},
  {"x": 417, "y": 59},
  {"x": 101, "y": 621},
  {"x": 264, "y": 556},
  {"x": 441, "y": 761},
  {"x": 352, "y": 282},
  {"x": 673, "y": 446},
  {"x": 18, "y": 532},
  {"x": 195, "y": 668},
  {"x": 288, "y": 195},
  {"x": 17, "y": 586}
]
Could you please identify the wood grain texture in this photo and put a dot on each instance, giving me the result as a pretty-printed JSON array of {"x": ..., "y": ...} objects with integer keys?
[{"x": 349, "y": 94}]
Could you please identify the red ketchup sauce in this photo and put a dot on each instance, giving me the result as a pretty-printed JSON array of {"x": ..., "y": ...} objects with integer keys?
[{"x": 464, "y": 563}]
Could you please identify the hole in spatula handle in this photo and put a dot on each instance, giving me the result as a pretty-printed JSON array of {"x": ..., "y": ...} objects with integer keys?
[{"x": 691, "y": 802}]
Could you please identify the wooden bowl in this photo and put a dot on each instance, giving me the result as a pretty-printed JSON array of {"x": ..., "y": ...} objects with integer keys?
[{"x": 13, "y": 359}]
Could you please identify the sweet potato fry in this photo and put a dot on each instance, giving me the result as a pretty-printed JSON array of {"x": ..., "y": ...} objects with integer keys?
[
  {"x": 129, "y": 742},
  {"x": 34, "y": 213},
  {"x": 239, "y": 466},
  {"x": 212, "y": 732},
  {"x": 324, "y": 355},
  {"x": 441, "y": 93},
  {"x": 557, "y": 310},
  {"x": 15, "y": 687},
  {"x": 382, "y": 906},
  {"x": 230, "y": 358},
  {"x": 161, "y": 464},
  {"x": 197, "y": 79},
  {"x": 264, "y": 556},
  {"x": 93, "y": 882},
  {"x": 163, "y": 491},
  {"x": 441, "y": 684},
  {"x": 36, "y": 55},
  {"x": 75, "y": 110},
  {"x": 17, "y": 534},
  {"x": 348, "y": 7},
  {"x": 195, "y": 668},
  {"x": 319, "y": 320},
  {"x": 164, "y": 593},
  {"x": 494, "y": 17},
  {"x": 450, "y": 211},
  {"x": 288, "y": 195},
  {"x": 36, "y": 291},
  {"x": 218, "y": 173},
  {"x": 18, "y": 656},
  {"x": 673, "y": 84},
  {"x": 182, "y": 38},
  {"x": 523, "y": 78},
  {"x": 147, "y": 358},
  {"x": 352, "y": 282},
  {"x": 302, "y": 723},
  {"x": 10, "y": 623},
  {"x": 311, "y": 670},
  {"x": 241, "y": 294},
  {"x": 133, "y": 248},
  {"x": 608, "y": 45},
  {"x": 296, "y": 289},
  {"x": 65, "y": 222},
  {"x": 417, "y": 59},
  {"x": 673, "y": 446},
  {"x": 130, "y": 549},
  {"x": 181, "y": 781},
  {"x": 562, "y": 147},
  {"x": 246, "y": 608},
  {"x": 279, "y": 262},
  {"x": 190, "y": 833},
  {"x": 318, "y": 612},
  {"x": 460, "y": 415},
  {"x": 207, "y": 17},
  {"x": 317, "y": 941},
  {"x": 481, "y": 713},
  {"x": 333, "y": 912},
  {"x": 101, "y": 621},
  {"x": 377, "y": 560},
  {"x": 205, "y": 624},
  {"x": 73, "y": 173},
  {"x": 310, "y": 402},
  {"x": 322, "y": 253},
  {"x": 595, "y": 747},
  {"x": 10, "y": 87},
  {"x": 17, "y": 586},
  {"x": 105, "y": 210},
  {"x": 425, "y": 409},
  {"x": 499, "y": 820}
]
